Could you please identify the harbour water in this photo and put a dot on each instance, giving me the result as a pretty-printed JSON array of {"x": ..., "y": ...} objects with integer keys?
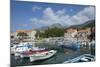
[{"x": 63, "y": 54}]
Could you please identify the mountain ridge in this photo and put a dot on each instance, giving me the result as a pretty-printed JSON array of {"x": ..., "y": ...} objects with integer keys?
[{"x": 89, "y": 23}]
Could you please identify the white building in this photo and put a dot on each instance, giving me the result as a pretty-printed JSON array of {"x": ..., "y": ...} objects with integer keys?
[
  {"x": 83, "y": 34},
  {"x": 70, "y": 33},
  {"x": 80, "y": 35},
  {"x": 30, "y": 34}
]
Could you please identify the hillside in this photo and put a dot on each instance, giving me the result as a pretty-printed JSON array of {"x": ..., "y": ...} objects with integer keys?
[
  {"x": 57, "y": 25},
  {"x": 90, "y": 23}
]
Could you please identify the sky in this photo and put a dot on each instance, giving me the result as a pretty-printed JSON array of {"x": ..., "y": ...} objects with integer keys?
[{"x": 33, "y": 15}]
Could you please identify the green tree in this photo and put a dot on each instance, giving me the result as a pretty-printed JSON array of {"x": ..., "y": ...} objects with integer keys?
[
  {"x": 50, "y": 32},
  {"x": 54, "y": 32},
  {"x": 22, "y": 35}
]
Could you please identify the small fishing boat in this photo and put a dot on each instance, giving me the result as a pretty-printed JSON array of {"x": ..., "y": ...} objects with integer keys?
[
  {"x": 82, "y": 58},
  {"x": 42, "y": 55},
  {"x": 24, "y": 51},
  {"x": 35, "y": 55}
]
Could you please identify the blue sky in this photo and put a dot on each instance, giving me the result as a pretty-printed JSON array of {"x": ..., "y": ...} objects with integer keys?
[{"x": 31, "y": 15}]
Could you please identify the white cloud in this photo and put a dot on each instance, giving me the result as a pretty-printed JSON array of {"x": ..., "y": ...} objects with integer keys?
[
  {"x": 50, "y": 17},
  {"x": 86, "y": 14},
  {"x": 34, "y": 8},
  {"x": 61, "y": 12},
  {"x": 34, "y": 20},
  {"x": 89, "y": 12}
]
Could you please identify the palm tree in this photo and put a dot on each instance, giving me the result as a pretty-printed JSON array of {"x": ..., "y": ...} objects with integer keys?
[{"x": 22, "y": 35}]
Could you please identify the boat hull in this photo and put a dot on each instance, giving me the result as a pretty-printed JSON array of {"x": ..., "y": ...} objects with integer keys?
[{"x": 36, "y": 58}]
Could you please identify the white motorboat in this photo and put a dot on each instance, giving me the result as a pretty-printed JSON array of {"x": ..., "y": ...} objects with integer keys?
[
  {"x": 82, "y": 58},
  {"x": 18, "y": 49},
  {"x": 12, "y": 49},
  {"x": 87, "y": 57},
  {"x": 21, "y": 49},
  {"x": 42, "y": 55},
  {"x": 33, "y": 53},
  {"x": 24, "y": 50},
  {"x": 25, "y": 54}
]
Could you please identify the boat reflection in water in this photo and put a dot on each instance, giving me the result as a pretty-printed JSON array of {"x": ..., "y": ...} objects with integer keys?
[{"x": 69, "y": 45}]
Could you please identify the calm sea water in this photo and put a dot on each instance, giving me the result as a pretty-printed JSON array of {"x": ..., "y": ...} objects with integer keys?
[{"x": 63, "y": 54}]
